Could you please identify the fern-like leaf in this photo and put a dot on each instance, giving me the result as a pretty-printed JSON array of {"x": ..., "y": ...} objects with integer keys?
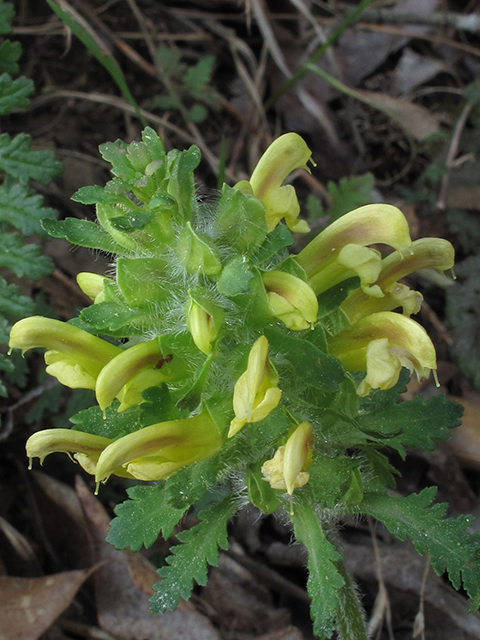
[
  {"x": 442, "y": 538},
  {"x": 189, "y": 561}
]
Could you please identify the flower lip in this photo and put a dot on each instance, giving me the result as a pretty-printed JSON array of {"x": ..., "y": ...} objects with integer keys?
[
  {"x": 256, "y": 392},
  {"x": 371, "y": 224}
]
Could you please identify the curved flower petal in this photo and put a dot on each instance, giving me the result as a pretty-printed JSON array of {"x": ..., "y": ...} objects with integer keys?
[
  {"x": 408, "y": 345},
  {"x": 290, "y": 299},
  {"x": 256, "y": 392},
  {"x": 158, "y": 450},
  {"x": 371, "y": 224}
]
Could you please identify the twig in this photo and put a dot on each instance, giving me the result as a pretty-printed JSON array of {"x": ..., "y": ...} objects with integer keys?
[
  {"x": 382, "y": 599},
  {"x": 469, "y": 23},
  {"x": 452, "y": 152}
]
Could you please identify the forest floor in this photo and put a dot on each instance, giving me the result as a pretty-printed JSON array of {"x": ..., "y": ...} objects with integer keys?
[{"x": 399, "y": 123}]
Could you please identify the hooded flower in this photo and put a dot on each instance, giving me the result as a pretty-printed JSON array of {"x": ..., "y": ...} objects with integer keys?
[
  {"x": 426, "y": 253},
  {"x": 85, "y": 447},
  {"x": 291, "y": 300},
  {"x": 284, "y": 155},
  {"x": 74, "y": 356},
  {"x": 256, "y": 392},
  {"x": 286, "y": 470},
  {"x": 132, "y": 371},
  {"x": 157, "y": 451},
  {"x": 340, "y": 251},
  {"x": 381, "y": 344}
]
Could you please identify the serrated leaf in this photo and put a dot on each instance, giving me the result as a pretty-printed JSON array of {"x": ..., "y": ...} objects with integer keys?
[
  {"x": 22, "y": 210},
  {"x": 12, "y": 303},
  {"x": 82, "y": 233},
  {"x": 23, "y": 260},
  {"x": 311, "y": 365},
  {"x": 19, "y": 160},
  {"x": 6, "y": 365},
  {"x": 13, "y": 93},
  {"x": 108, "y": 424},
  {"x": 330, "y": 478},
  {"x": 5, "y": 327},
  {"x": 349, "y": 193},
  {"x": 140, "y": 520},
  {"x": 10, "y": 53},
  {"x": 408, "y": 424},
  {"x": 189, "y": 561},
  {"x": 275, "y": 241},
  {"x": 6, "y": 13},
  {"x": 324, "y": 580},
  {"x": 197, "y": 77},
  {"x": 413, "y": 518}
]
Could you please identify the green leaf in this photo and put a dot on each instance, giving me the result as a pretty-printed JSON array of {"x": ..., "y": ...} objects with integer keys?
[
  {"x": 82, "y": 233},
  {"x": 241, "y": 219},
  {"x": 315, "y": 368},
  {"x": 324, "y": 580},
  {"x": 20, "y": 161},
  {"x": 22, "y": 210},
  {"x": 23, "y": 260},
  {"x": 197, "y": 77},
  {"x": 10, "y": 53},
  {"x": 235, "y": 277},
  {"x": 197, "y": 113},
  {"x": 331, "y": 478},
  {"x": 13, "y": 93},
  {"x": 350, "y": 193},
  {"x": 189, "y": 560},
  {"x": 159, "y": 406},
  {"x": 408, "y": 424},
  {"x": 110, "y": 424},
  {"x": 114, "y": 319},
  {"x": 4, "y": 330},
  {"x": 463, "y": 313},
  {"x": 6, "y": 365},
  {"x": 442, "y": 538},
  {"x": 12, "y": 303},
  {"x": 6, "y": 13},
  {"x": 276, "y": 240},
  {"x": 140, "y": 519}
]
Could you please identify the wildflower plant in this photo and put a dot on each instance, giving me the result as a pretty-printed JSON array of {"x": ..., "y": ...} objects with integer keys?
[{"x": 223, "y": 366}]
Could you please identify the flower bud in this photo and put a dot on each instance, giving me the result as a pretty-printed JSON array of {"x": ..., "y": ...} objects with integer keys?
[
  {"x": 204, "y": 319},
  {"x": 290, "y": 299},
  {"x": 92, "y": 285}
]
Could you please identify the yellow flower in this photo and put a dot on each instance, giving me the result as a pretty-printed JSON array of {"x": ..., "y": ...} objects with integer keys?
[
  {"x": 157, "y": 451},
  {"x": 131, "y": 372},
  {"x": 381, "y": 344},
  {"x": 340, "y": 248},
  {"x": 291, "y": 300},
  {"x": 74, "y": 356},
  {"x": 256, "y": 392},
  {"x": 426, "y": 253},
  {"x": 284, "y": 155},
  {"x": 85, "y": 447},
  {"x": 286, "y": 470}
]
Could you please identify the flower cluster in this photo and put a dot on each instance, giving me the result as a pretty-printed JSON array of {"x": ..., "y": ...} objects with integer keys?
[{"x": 207, "y": 307}]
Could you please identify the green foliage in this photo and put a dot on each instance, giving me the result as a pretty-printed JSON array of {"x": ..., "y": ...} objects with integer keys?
[
  {"x": 413, "y": 518},
  {"x": 187, "y": 84},
  {"x": 349, "y": 193},
  {"x": 324, "y": 580},
  {"x": 139, "y": 520},
  {"x": 189, "y": 560}
]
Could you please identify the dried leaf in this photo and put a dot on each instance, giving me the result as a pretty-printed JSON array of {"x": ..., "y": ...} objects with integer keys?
[
  {"x": 28, "y": 606},
  {"x": 120, "y": 585}
]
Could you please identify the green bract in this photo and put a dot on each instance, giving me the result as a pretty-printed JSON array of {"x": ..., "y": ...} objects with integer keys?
[{"x": 227, "y": 358}]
